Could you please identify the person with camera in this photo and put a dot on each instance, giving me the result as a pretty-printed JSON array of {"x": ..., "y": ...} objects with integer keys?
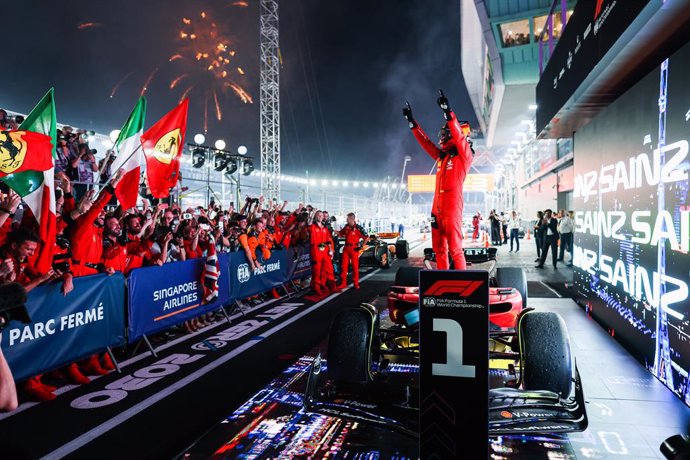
[
  {"x": 64, "y": 156},
  {"x": 453, "y": 156},
  {"x": 354, "y": 235},
  {"x": 9, "y": 202},
  {"x": 8, "y": 123},
  {"x": 87, "y": 232},
  {"x": 82, "y": 168},
  {"x": 15, "y": 254}
]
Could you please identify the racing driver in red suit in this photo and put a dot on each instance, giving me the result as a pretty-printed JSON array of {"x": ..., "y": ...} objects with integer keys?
[{"x": 453, "y": 158}]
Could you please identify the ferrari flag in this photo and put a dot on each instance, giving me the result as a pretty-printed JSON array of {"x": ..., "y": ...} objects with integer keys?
[
  {"x": 36, "y": 187},
  {"x": 130, "y": 156},
  {"x": 24, "y": 151},
  {"x": 162, "y": 144}
]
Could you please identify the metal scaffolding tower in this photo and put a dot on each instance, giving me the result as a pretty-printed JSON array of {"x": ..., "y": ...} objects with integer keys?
[{"x": 270, "y": 100}]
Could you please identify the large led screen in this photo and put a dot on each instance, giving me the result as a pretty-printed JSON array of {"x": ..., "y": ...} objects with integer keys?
[{"x": 633, "y": 220}]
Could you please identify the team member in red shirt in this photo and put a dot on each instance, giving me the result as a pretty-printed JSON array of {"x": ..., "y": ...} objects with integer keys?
[
  {"x": 114, "y": 252},
  {"x": 87, "y": 236},
  {"x": 353, "y": 234},
  {"x": 321, "y": 244},
  {"x": 453, "y": 160}
]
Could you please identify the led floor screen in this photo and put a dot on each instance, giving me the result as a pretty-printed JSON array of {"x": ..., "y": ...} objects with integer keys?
[{"x": 633, "y": 220}]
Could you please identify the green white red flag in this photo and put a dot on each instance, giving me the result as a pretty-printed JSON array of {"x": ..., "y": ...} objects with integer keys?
[
  {"x": 130, "y": 156},
  {"x": 37, "y": 187}
]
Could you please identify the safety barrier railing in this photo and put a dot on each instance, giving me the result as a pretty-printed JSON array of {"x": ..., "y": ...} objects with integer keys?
[{"x": 109, "y": 311}]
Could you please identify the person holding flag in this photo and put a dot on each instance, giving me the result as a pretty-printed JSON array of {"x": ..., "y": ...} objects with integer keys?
[
  {"x": 130, "y": 156},
  {"x": 162, "y": 144},
  {"x": 33, "y": 178}
]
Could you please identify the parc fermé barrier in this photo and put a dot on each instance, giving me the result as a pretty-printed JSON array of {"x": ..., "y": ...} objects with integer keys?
[{"x": 108, "y": 311}]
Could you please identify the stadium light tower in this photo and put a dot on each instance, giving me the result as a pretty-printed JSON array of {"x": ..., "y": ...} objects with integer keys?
[{"x": 270, "y": 100}]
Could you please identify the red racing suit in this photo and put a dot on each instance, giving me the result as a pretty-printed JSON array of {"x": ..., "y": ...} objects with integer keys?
[
  {"x": 475, "y": 225},
  {"x": 87, "y": 237},
  {"x": 352, "y": 236},
  {"x": 321, "y": 244},
  {"x": 452, "y": 166}
]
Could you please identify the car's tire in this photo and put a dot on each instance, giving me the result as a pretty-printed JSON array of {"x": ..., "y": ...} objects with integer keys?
[
  {"x": 407, "y": 276},
  {"x": 383, "y": 255},
  {"x": 350, "y": 345},
  {"x": 402, "y": 249},
  {"x": 545, "y": 353},
  {"x": 515, "y": 278}
]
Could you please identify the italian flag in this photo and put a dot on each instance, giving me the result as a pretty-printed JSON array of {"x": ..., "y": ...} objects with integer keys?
[
  {"x": 130, "y": 156},
  {"x": 36, "y": 187}
]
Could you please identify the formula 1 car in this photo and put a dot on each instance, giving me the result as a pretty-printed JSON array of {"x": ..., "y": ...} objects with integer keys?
[
  {"x": 507, "y": 295},
  {"x": 475, "y": 253},
  {"x": 540, "y": 392},
  {"x": 380, "y": 249}
]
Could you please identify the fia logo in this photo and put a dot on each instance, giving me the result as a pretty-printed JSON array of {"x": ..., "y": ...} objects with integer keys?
[
  {"x": 243, "y": 273},
  {"x": 429, "y": 302}
]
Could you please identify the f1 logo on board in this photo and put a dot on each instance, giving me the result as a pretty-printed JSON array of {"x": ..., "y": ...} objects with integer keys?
[
  {"x": 243, "y": 273},
  {"x": 462, "y": 288}
]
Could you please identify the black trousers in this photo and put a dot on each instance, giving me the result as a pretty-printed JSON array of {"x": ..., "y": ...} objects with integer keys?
[
  {"x": 514, "y": 235},
  {"x": 495, "y": 234},
  {"x": 550, "y": 241},
  {"x": 566, "y": 244}
]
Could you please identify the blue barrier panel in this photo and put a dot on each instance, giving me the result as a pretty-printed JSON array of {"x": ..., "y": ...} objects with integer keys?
[
  {"x": 161, "y": 297},
  {"x": 244, "y": 283},
  {"x": 298, "y": 262},
  {"x": 65, "y": 329}
]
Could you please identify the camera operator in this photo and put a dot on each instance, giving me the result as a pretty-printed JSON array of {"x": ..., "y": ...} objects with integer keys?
[
  {"x": 8, "y": 206},
  {"x": 104, "y": 166},
  {"x": 82, "y": 168},
  {"x": 8, "y": 123}
]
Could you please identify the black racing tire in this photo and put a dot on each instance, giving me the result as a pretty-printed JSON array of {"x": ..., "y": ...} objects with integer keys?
[
  {"x": 515, "y": 278},
  {"x": 350, "y": 345},
  {"x": 547, "y": 363},
  {"x": 402, "y": 249},
  {"x": 407, "y": 276},
  {"x": 383, "y": 256}
]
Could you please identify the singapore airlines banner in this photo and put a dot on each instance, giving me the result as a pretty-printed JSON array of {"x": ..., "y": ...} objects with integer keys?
[{"x": 633, "y": 220}]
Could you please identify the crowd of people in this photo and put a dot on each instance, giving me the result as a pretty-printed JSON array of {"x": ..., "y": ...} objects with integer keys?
[
  {"x": 549, "y": 229},
  {"x": 552, "y": 231},
  {"x": 95, "y": 235}
]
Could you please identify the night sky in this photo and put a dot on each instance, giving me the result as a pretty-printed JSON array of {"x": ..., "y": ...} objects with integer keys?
[{"x": 348, "y": 68}]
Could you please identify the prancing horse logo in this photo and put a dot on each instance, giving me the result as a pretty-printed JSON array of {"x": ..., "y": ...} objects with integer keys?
[
  {"x": 12, "y": 151},
  {"x": 167, "y": 147}
]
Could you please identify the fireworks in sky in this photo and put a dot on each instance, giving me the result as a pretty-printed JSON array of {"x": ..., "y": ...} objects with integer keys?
[
  {"x": 203, "y": 64},
  {"x": 89, "y": 25},
  {"x": 207, "y": 57}
]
